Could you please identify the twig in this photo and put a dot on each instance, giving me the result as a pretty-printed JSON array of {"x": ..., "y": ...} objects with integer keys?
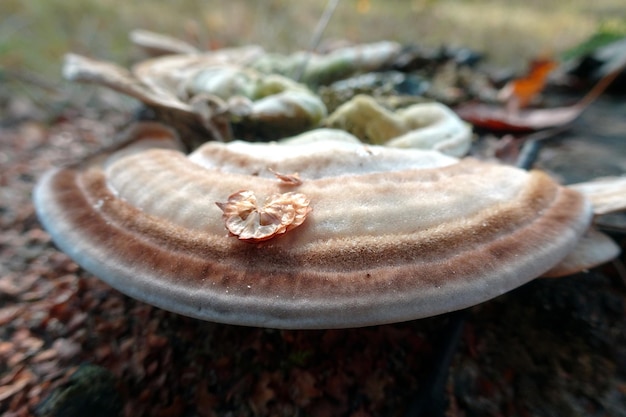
[
  {"x": 600, "y": 86},
  {"x": 317, "y": 36},
  {"x": 30, "y": 78},
  {"x": 528, "y": 154},
  {"x": 430, "y": 401},
  {"x": 621, "y": 272}
]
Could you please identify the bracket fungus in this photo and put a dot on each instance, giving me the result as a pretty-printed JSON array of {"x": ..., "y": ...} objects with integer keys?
[
  {"x": 422, "y": 126},
  {"x": 209, "y": 91},
  {"x": 393, "y": 234}
]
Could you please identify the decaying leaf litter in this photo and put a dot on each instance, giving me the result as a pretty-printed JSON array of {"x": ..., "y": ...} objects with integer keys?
[{"x": 146, "y": 350}]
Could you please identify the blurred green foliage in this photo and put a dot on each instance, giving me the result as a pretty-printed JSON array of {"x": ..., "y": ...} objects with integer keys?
[{"x": 609, "y": 31}]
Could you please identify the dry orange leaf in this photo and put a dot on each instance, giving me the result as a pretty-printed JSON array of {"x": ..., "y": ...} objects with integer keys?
[
  {"x": 519, "y": 92},
  {"x": 252, "y": 223}
]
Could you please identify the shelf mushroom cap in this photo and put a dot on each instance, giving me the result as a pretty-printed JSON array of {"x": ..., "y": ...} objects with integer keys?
[{"x": 391, "y": 234}]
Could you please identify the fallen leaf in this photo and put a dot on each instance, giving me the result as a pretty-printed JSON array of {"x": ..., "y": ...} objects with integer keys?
[
  {"x": 303, "y": 388},
  {"x": 500, "y": 118},
  {"x": 337, "y": 386},
  {"x": 175, "y": 409},
  {"x": 206, "y": 402},
  {"x": 7, "y": 314},
  {"x": 20, "y": 381},
  {"x": 520, "y": 92},
  {"x": 8, "y": 391},
  {"x": 263, "y": 393},
  {"x": 252, "y": 222}
]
